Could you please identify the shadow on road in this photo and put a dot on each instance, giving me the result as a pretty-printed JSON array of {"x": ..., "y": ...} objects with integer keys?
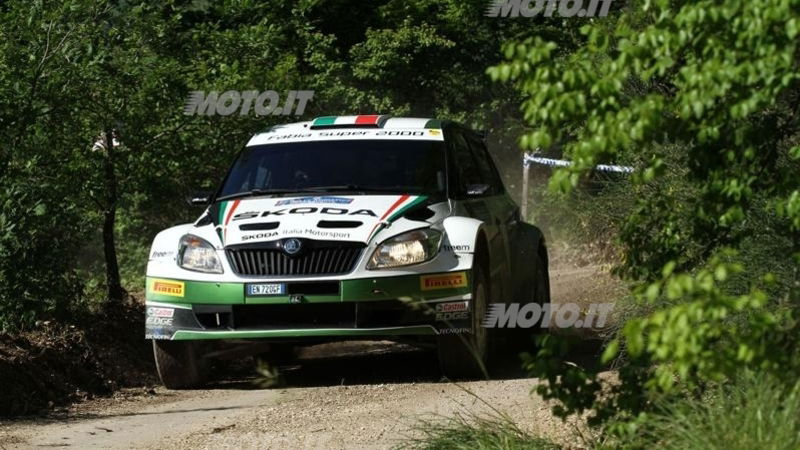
[{"x": 355, "y": 363}]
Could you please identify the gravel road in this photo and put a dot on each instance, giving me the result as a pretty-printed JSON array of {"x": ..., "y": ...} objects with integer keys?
[{"x": 353, "y": 395}]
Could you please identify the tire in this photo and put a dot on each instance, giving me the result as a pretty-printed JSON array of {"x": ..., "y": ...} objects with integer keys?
[
  {"x": 179, "y": 364},
  {"x": 536, "y": 291},
  {"x": 541, "y": 289},
  {"x": 465, "y": 356}
]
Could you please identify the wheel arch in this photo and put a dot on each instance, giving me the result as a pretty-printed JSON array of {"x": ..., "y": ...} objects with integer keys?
[
  {"x": 465, "y": 235},
  {"x": 468, "y": 237}
]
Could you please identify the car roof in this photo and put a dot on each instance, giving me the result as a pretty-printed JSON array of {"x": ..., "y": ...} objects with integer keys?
[
  {"x": 372, "y": 126},
  {"x": 364, "y": 120}
]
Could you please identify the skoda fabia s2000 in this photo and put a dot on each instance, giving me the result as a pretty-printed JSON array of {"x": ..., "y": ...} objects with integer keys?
[{"x": 344, "y": 228}]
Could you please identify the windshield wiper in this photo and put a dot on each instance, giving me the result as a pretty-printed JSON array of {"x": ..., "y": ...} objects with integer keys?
[
  {"x": 356, "y": 188},
  {"x": 315, "y": 189},
  {"x": 256, "y": 193}
]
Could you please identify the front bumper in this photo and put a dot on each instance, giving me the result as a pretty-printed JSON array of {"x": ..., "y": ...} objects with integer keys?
[{"x": 410, "y": 305}]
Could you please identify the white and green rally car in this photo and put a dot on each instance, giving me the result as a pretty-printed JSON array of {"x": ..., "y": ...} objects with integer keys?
[{"x": 359, "y": 227}]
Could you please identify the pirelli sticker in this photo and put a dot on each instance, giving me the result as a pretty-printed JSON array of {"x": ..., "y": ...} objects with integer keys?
[
  {"x": 167, "y": 287},
  {"x": 443, "y": 281}
]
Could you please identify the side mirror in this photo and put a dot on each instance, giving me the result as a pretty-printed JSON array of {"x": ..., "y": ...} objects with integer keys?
[
  {"x": 199, "y": 199},
  {"x": 476, "y": 190}
]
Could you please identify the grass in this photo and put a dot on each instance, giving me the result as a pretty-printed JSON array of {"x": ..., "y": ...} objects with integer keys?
[
  {"x": 755, "y": 412},
  {"x": 472, "y": 432}
]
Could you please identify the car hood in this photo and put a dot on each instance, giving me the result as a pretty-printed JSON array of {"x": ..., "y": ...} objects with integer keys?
[{"x": 355, "y": 218}]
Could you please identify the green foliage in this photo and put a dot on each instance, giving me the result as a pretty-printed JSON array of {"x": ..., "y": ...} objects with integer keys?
[
  {"x": 702, "y": 98},
  {"x": 36, "y": 240}
]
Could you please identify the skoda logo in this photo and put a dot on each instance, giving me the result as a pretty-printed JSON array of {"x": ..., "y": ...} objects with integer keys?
[{"x": 292, "y": 246}]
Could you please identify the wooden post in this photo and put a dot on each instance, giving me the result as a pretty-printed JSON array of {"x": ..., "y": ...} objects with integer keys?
[{"x": 524, "y": 199}]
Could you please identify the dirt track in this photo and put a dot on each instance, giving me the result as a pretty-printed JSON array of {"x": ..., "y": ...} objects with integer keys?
[{"x": 336, "y": 396}]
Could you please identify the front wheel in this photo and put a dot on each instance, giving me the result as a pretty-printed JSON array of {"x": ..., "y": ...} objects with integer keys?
[
  {"x": 179, "y": 364},
  {"x": 465, "y": 356},
  {"x": 535, "y": 289}
]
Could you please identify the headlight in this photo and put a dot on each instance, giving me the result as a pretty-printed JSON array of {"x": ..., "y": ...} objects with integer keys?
[
  {"x": 413, "y": 247},
  {"x": 198, "y": 255}
]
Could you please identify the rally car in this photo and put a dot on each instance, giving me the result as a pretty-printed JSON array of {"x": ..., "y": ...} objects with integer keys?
[{"x": 344, "y": 228}]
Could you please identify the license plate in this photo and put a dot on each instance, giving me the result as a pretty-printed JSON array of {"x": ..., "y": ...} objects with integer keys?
[{"x": 260, "y": 289}]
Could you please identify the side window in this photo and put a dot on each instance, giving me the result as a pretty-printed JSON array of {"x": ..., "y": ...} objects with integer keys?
[
  {"x": 466, "y": 168},
  {"x": 488, "y": 171}
]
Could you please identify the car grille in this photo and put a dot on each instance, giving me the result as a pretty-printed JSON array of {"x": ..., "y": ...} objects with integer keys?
[{"x": 317, "y": 258}]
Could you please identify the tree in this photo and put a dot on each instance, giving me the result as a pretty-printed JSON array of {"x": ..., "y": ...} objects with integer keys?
[{"x": 703, "y": 98}]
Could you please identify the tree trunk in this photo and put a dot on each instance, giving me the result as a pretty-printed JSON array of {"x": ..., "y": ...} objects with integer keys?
[{"x": 113, "y": 283}]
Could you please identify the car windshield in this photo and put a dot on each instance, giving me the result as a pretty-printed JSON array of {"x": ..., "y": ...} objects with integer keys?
[{"x": 391, "y": 166}]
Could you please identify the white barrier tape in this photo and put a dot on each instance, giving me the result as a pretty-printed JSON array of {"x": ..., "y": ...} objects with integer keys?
[{"x": 528, "y": 159}]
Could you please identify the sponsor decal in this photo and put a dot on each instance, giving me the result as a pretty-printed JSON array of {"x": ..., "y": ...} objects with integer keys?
[
  {"x": 434, "y": 132},
  {"x": 317, "y": 233},
  {"x": 159, "y": 321},
  {"x": 305, "y": 210},
  {"x": 281, "y": 137},
  {"x": 158, "y": 334},
  {"x": 249, "y": 237},
  {"x": 454, "y": 330},
  {"x": 159, "y": 255},
  {"x": 456, "y": 248},
  {"x": 153, "y": 311},
  {"x": 445, "y": 281},
  {"x": 452, "y": 311},
  {"x": 400, "y": 133},
  {"x": 342, "y": 133},
  {"x": 318, "y": 200},
  {"x": 452, "y": 306},
  {"x": 265, "y": 289},
  {"x": 167, "y": 287}
]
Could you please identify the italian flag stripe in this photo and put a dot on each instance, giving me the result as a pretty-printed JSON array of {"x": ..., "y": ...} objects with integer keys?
[
  {"x": 400, "y": 200},
  {"x": 396, "y": 210},
  {"x": 232, "y": 209},
  {"x": 366, "y": 119},
  {"x": 221, "y": 212},
  {"x": 228, "y": 219},
  {"x": 406, "y": 207},
  {"x": 328, "y": 120}
]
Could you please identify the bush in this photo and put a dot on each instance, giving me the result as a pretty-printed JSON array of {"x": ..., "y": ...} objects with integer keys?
[{"x": 39, "y": 239}]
